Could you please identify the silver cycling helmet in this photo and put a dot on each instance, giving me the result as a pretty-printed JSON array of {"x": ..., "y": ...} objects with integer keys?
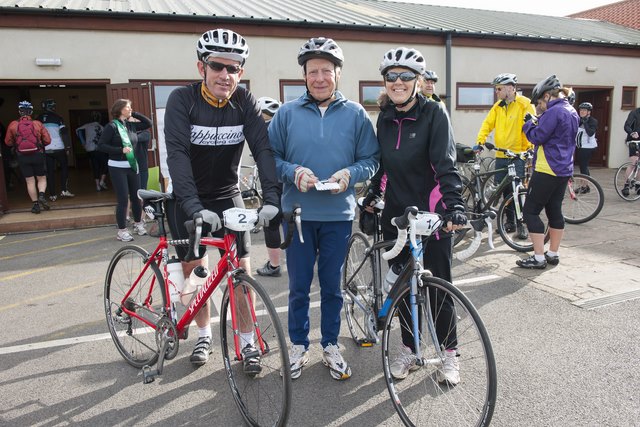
[
  {"x": 430, "y": 75},
  {"x": 268, "y": 105},
  {"x": 25, "y": 108},
  {"x": 48, "y": 104},
  {"x": 550, "y": 83},
  {"x": 321, "y": 47},
  {"x": 403, "y": 57},
  {"x": 222, "y": 43},
  {"x": 505, "y": 79},
  {"x": 585, "y": 106}
]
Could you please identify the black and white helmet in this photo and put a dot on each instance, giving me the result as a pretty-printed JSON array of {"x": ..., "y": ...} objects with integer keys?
[
  {"x": 585, "y": 106},
  {"x": 25, "y": 108},
  {"x": 505, "y": 79},
  {"x": 321, "y": 47},
  {"x": 222, "y": 43},
  {"x": 268, "y": 105},
  {"x": 48, "y": 104},
  {"x": 430, "y": 75},
  {"x": 550, "y": 83},
  {"x": 403, "y": 57}
]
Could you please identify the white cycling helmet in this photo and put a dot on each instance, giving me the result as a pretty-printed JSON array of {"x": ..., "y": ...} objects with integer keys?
[
  {"x": 321, "y": 47},
  {"x": 268, "y": 105},
  {"x": 403, "y": 57},
  {"x": 25, "y": 108},
  {"x": 505, "y": 79},
  {"x": 222, "y": 43}
]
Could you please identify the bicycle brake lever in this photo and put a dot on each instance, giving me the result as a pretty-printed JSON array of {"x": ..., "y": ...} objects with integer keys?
[{"x": 490, "y": 232}]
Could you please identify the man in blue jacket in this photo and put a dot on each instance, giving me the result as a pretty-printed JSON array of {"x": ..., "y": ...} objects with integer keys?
[{"x": 321, "y": 140}]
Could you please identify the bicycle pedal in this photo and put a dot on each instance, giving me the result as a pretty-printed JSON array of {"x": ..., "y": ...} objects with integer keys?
[
  {"x": 365, "y": 343},
  {"x": 148, "y": 376}
]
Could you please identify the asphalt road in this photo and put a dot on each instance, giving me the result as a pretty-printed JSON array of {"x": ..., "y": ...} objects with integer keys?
[{"x": 558, "y": 364}]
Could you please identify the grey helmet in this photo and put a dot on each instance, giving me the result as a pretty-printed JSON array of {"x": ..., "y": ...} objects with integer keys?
[
  {"x": 25, "y": 108},
  {"x": 505, "y": 79},
  {"x": 585, "y": 106},
  {"x": 321, "y": 47},
  {"x": 403, "y": 57},
  {"x": 268, "y": 105},
  {"x": 48, "y": 104},
  {"x": 430, "y": 75},
  {"x": 222, "y": 43},
  {"x": 550, "y": 83}
]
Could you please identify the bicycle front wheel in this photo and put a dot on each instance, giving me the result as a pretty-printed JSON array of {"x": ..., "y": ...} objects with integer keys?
[
  {"x": 261, "y": 385},
  {"x": 425, "y": 392},
  {"x": 358, "y": 291},
  {"x": 627, "y": 187},
  {"x": 583, "y": 199},
  {"x": 133, "y": 334},
  {"x": 514, "y": 231}
]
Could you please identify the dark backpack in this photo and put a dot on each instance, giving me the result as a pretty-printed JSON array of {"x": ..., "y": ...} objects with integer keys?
[{"x": 27, "y": 141}]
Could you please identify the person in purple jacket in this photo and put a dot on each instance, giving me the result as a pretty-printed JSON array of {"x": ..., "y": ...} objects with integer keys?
[{"x": 553, "y": 136}]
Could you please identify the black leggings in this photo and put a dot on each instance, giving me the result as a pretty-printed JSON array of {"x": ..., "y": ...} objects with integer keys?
[
  {"x": 437, "y": 259},
  {"x": 584, "y": 155},
  {"x": 545, "y": 192},
  {"x": 59, "y": 157},
  {"x": 126, "y": 184}
]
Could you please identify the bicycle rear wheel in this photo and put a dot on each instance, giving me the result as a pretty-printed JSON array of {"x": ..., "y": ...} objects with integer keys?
[
  {"x": 631, "y": 183},
  {"x": 583, "y": 199},
  {"x": 358, "y": 291},
  {"x": 133, "y": 335},
  {"x": 262, "y": 395},
  {"x": 424, "y": 397},
  {"x": 517, "y": 237}
]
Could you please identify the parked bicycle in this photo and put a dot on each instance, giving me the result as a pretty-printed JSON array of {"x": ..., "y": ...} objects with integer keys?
[
  {"x": 627, "y": 180},
  {"x": 479, "y": 201},
  {"x": 145, "y": 325},
  {"x": 583, "y": 199},
  {"x": 250, "y": 184},
  {"x": 422, "y": 398}
]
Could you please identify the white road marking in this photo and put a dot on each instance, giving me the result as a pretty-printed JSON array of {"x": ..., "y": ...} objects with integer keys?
[{"x": 216, "y": 319}]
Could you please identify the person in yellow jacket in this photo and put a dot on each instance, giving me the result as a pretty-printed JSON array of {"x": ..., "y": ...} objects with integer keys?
[
  {"x": 505, "y": 120},
  {"x": 428, "y": 82}
]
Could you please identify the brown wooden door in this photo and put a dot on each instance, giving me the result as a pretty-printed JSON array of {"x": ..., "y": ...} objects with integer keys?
[
  {"x": 601, "y": 100},
  {"x": 141, "y": 101}
]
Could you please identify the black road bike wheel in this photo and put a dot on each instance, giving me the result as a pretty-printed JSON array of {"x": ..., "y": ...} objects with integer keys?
[
  {"x": 631, "y": 183},
  {"x": 583, "y": 199},
  {"x": 512, "y": 235}
]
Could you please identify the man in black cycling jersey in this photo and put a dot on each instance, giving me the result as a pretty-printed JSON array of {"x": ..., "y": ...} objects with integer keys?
[{"x": 206, "y": 126}]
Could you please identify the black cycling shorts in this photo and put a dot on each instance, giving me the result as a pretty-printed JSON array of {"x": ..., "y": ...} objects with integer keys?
[
  {"x": 176, "y": 219},
  {"x": 31, "y": 164}
]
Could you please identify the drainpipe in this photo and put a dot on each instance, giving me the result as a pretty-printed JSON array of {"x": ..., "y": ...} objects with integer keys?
[{"x": 448, "y": 72}]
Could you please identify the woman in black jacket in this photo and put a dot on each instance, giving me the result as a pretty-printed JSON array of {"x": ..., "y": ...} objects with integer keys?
[{"x": 119, "y": 140}]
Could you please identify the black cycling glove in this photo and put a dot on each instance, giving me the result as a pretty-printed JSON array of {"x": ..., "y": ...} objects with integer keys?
[{"x": 456, "y": 215}]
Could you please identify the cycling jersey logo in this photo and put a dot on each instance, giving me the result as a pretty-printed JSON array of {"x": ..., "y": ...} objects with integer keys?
[{"x": 224, "y": 135}]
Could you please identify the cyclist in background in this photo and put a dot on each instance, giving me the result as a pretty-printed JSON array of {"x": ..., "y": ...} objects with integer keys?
[
  {"x": 419, "y": 158},
  {"x": 632, "y": 128},
  {"x": 320, "y": 136},
  {"x": 428, "y": 82},
  {"x": 586, "y": 142},
  {"x": 505, "y": 120},
  {"x": 553, "y": 136},
  {"x": 206, "y": 126},
  {"x": 56, "y": 152},
  {"x": 268, "y": 107}
]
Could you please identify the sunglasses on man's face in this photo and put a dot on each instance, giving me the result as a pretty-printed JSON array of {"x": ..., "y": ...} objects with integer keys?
[
  {"x": 405, "y": 76},
  {"x": 219, "y": 66}
]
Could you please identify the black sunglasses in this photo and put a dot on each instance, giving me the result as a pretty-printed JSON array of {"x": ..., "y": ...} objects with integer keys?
[
  {"x": 405, "y": 76},
  {"x": 219, "y": 66}
]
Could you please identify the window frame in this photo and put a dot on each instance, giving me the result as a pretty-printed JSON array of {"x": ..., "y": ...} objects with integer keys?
[
  {"x": 634, "y": 96},
  {"x": 289, "y": 82},
  {"x": 465, "y": 85},
  {"x": 369, "y": 84}
]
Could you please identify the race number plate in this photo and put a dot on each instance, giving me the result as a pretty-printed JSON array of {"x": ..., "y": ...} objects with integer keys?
[
  {"x": 427, "y": 223},
  {"x": 238, "y": 219}
]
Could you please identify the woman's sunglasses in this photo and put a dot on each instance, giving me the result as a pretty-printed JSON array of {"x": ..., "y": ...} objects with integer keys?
[
  {"x": 219, "y": 66},
  {"x": 405, "y": 76}
]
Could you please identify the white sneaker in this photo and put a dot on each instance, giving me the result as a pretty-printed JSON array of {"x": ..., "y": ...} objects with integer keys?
[
  {"x": 124, "y": 235},
  {"x": 138, "y": 227},
  {"x": 450, "y": 372},
  {"x": 298, "y": 357},
  {"x": 404, "y": 363},
  {"x": 67, "y": 193},
  {"x": 332, "y": 359}
]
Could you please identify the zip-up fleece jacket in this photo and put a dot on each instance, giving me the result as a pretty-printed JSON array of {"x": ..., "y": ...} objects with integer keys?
[
  {"x": 632, "y": 124},
  {"x": 418, "y": 154},
  {"x": 554, "y": 138},
  {"x": 507, "y": 120},
  {"x": 341, "y": 138},
  {"x": 204, "y": 147}
]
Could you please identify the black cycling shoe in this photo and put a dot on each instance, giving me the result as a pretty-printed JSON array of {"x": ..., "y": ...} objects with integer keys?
[
  {"x": 509, "y": 227},
  {"x": 532, "y": 262},
  {"x": 201, "y": 352},
  {"x": 522, "y": 233},
  {"x": 552, "y": 260},
  {"x": 625, "y": 190},
  {"x": 251, "y": 360},
  {"x": 269, "y": 270}
]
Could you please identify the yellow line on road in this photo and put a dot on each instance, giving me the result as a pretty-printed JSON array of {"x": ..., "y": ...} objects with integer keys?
[
  {"x": 38, "y": 270},
  {"x": 82, "y": 242},
  {"x": 40, "y": 236},
  {"x": 47, "y": 296}
]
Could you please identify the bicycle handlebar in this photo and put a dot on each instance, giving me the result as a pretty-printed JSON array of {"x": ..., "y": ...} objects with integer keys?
[
  {"x": 413, "y": 223},
  {"x": 510, "y": 154}
]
